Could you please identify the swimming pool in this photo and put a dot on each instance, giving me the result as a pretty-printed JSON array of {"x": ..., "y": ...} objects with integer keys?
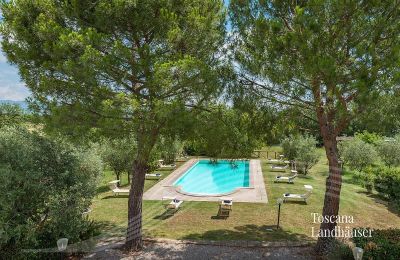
[{"x": 205, "y": 178}]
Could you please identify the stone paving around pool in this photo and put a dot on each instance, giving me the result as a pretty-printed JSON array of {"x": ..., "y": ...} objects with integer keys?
[{"x": 256, "y": 193}]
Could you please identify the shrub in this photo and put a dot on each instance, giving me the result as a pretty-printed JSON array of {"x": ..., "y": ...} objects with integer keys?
[
  {"x": 368, "y": 179},
  {"x": 369, "y": 138},
  {"x": 357, "y": 154},
  {"x": 45, "y": 185},
  {"x": 387, "y": 183},
  {"x": 383, "y": 244},
  {"x": 340, "y": 251},
  {"x": 389, "y": 151},
  {"x": 303, "y": 150}
]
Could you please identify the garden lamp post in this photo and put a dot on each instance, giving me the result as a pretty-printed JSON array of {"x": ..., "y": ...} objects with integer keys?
[
  {"x": 279, "y": 202},
  {"x": 62, "y": 244},
  {"x": 358, "y": 253}
]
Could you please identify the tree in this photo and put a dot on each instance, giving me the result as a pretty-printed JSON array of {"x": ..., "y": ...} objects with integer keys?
[
  {"x": 11, "y": 115},
  {"x": 118, "y": 154},
  {"x": 389, "y": 151},
  {"x": 303, "y": 150},
  {"x": 357, "y": 154},
  {"x": 168, "y": 148},
  {"x": 118, "y": 67},
  {"x": 330, "y": 58},
  {"x": 381, "y": 116},
  {"x": 223, "y": 132},
  {"x": 45, "y": 185}
]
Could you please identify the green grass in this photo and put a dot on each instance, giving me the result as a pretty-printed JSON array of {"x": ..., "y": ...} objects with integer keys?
[{"x": 248, "y": 221}]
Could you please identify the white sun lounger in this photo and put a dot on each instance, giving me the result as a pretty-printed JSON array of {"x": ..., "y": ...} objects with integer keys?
[
  {"x": 161, "y": 165},
  {"x": 153, "y": 175},
  {"x": 116, "y": 190},
  {"x": 299, "y": 197},
  {"x": 275, "y": 168},
  {"x": 174, "y": 205},
  {"x": 274, "y": 161},
  {"x": 226, "y": 203},
  {"x": 288, "y": 179},
  {"x": 225, "y": 207}
]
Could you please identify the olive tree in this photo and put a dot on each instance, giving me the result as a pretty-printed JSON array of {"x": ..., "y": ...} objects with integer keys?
[
  {"x": 357, "y": 154},
  {"x": 303, "y": 150},
  {"x": 118, "y": 154},
  {"x": 389, "y": 151}
]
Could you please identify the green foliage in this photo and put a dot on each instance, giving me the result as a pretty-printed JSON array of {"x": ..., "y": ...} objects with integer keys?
[
  {"x": 381, "y": 115},
  {"x": 384, "y": 244},
  {"x": 367, "y": 178},
  {"x": 45, "y": 185},
  {"x": 226, "y": 133},
  {"x": 169, "y": 148},
  {"x": 115, "y": 65},
  {"x": 118, "y": 154},
  {"x": 340, "y": 251},
  {"x": 387, "y": 183},
  {"x": 369, "y": 138},
  {"x": 389, "y": 151},
  {"x": 289, "y": 147},
  {"x": 118, "y": 67},
  {"x": 303, "y": 150},
  {"x": 357, "y": 154},
  {"x": 11, "y": 115},
  {"x": 300, "y": 53}
]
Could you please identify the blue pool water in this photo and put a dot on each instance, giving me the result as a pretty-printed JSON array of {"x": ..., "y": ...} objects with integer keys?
[{"x": 205, "y": 178}]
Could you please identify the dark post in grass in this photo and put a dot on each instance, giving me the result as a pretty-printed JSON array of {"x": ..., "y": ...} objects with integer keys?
[{"x": 279, "y": 201}]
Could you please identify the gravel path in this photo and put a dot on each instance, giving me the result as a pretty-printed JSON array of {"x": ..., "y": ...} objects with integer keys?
[{"x": 194, "y": 252}]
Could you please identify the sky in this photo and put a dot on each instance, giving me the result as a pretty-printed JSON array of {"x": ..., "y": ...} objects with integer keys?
[{"x": 11, "y": 87}]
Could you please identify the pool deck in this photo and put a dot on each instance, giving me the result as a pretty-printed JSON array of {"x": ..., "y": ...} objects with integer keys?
[{"x": 256, "y": 193}]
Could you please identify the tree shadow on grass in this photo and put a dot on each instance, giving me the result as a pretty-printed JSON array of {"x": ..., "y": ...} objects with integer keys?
[
  {"x": 383, "y": 201},
  {"x": 307, "y": 177},
  {"x": 296, "y": 202},
  {"x": 249, "y": 232},
  {"x": 109, "y": 228},
  {"x": 165, "y": 215},
  {"x": 115, "y": 197}
]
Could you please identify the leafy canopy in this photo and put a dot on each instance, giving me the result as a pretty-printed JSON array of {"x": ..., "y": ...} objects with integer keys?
[
  {"x": 115, "y": 65},
  {"x": 330, "y": 57},
  {"x": 357, "y": 154},
  {"x": 302, "y": 149},
  {"x": 45, "y": 186}
]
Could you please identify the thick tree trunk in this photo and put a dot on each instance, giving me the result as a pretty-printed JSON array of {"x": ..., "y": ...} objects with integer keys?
[
  {"x": 145, "y": 143},
  {"x": 332, "y": 193},
  {"x": 134, "y": 232}
]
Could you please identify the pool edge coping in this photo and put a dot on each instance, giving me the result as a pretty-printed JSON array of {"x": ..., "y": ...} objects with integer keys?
[{"x": 256, "y": 193}]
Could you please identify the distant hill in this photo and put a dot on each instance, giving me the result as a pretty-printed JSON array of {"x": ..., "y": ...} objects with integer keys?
[{"x": 22, "y": 104}]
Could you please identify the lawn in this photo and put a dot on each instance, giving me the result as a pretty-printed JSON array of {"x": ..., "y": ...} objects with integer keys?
[{"x": 248, "y": 221}]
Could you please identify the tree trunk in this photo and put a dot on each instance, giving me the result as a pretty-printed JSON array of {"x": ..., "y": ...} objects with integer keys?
[
  {"x": 333, "y": 187},
  {"x": 134, "y": 232},
  {"x": 118, "y": 175},
  {"x": 145, "y": 143}
]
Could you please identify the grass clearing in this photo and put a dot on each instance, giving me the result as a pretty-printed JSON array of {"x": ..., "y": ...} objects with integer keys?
[{"x": 248, "y": 221}]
